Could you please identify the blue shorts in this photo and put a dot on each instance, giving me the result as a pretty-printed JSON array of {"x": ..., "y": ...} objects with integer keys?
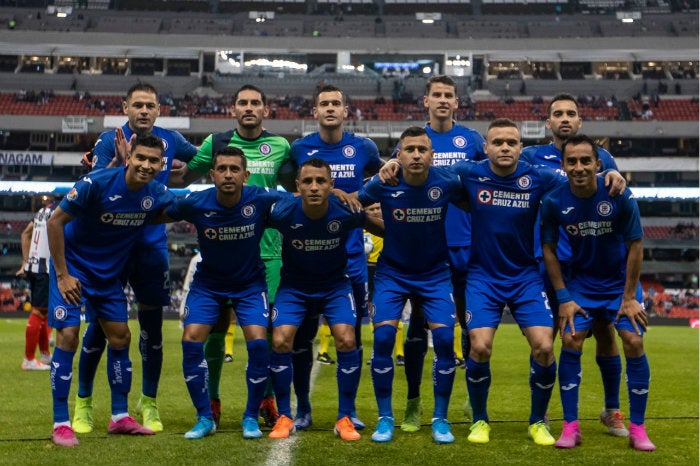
[
  {"x": 526, "y": 300},
  {"x": 336, "y": 303},
  {"x": 203, "y": 305},
  {"x": 432, "y": 290},
  {"x": 106, "y": 301},
  {"x": 459, "y": 259},
  {"x": 148, "y": 273},
  {"x": 602, "y": 307}
]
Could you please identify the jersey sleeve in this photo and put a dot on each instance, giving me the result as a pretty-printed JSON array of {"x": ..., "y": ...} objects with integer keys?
[
  {"x": 201, "y": 161},
  {"x": 607, "y": 160},
  {"x": 104, "y": 150},
  {"x": 549, "y": 223},
  {"x": 631, "y": 220},
  {"x": 184, "y": 150},
  {"x": 369, "y": 193},
  {"x": 179, "y": 208},
  {"x": 479, "y": 143},
  {"x": 374, "y": 162},
  {"x": 78, "y": 199}
]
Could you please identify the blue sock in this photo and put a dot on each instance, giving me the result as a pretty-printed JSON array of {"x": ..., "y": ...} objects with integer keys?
[
  {"x": 638, "y": 375},
  {"x": 383, "y": 367},
  {"x": 414, "y": 349},
  {"x": 443, "y": 369},
  {"x": 196, "y": 373},
  {"x": 282, "y": 373},
  {"x": 119, "y": 377},
  {"x": 61, "y": 377},
  {"x": 611, "y": 372},
  {"x": 94, "y": 344},
  {"x": 569, "y": 382},
  {"x": 478, "y": 385},
  {"x": 151, "y": 348},
  {"x": 256, "y": 375},
  {"x": 348, "y": 376},
  {"x": 303, "y": 360},
  {"x": 358, "y": 341},
  {"x": 541, "y": 385}
]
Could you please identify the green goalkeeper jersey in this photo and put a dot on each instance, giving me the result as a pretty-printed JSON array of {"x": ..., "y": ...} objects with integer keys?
[{"x": 265, "y": 155}]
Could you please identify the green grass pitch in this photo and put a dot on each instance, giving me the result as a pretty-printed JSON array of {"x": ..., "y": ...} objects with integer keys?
[{"x": 672, "y": 415}]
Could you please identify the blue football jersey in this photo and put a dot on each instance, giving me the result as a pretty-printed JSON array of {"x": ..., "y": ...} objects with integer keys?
[
  {"x": 176, "y": 147},
  {"x": 314, "y": 252},
  {"x": 459, "y": 143},
  {"x": 109, "y": 220},
  {"x": 597, "y": 229},
  {"x": 550, "y": 156},
  {"x": 229, "y": 237},
  {"x": 349, "y": 159},
  {"x": 504, "y": 212},
  {"x": 414, "y": 219}
]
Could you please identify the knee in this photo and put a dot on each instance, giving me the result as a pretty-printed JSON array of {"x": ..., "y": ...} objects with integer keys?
[
  {"x": 119, "y": 337},
  {"x": 543, "y": 351},
  {"x": 480, "y": 350},
  {"x": 67, "y": 339},
  {"x": 384, "y": 339},
  {"x": 345, "y": 341},
  {"x": 281, "y": 343}
]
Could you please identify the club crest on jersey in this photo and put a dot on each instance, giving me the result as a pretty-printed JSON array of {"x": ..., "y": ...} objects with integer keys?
[
  {"x": 604, "y": 208},
  {"x": 348, "y": 152},
  {"x": 524, "y": 182},
  {"x": 333, "y": 226},
  {"x": 107, "y": 217},
  {"x": 72, "y": 194},
  {"x": 60, "y": 313},
  {"x": 147, "y": 203},
  {"x": 248, "y": 210},
  {"x": 572, "y": 229},
  {"x": 434, "y": 193},
  {"x": 459, "y": 141},
  {"x": 265, "y": 148}
]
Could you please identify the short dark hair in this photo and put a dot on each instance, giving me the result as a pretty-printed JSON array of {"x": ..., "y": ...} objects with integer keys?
[
  {"x": 230, "y": 151},
  {"x": 329, "y": 88},
  {"x": 316, "y": 163},
  {"x": 439, "y": 78},
  {"x": 577, "y": 139},
  {"x": 561, "y": 96},
  {"x": 148, "y": 140},
  {"x": 144, "y": 87},
  {"x": 250, "y": 87},
  {"x": 412, "y": 131},
  {"x": 503, "y": 123}
]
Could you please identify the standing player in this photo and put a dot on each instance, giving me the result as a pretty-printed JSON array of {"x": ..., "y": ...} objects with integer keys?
[
  {"x": 230, "y": 220},
  {"x": 265, "y": 154},
  {"x": 415, "y": 208},
  {"x": 149, "y": 268},
  {"x": 452, "y": 143},
  {"x": 35, "y": 266},
  {"x": 351, "y": 158},
  {"x": 91, "y": 234},
  {"x": 564, "y": 120},
  {"x": 602, "y": 283},
  {"x": 315, "y": 228}
]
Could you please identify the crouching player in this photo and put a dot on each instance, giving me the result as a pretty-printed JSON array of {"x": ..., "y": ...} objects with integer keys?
[
  {"x": 605, "y": 234},
  {"x": 230, "y": 219},
  {"x": 91, "y": 234}
]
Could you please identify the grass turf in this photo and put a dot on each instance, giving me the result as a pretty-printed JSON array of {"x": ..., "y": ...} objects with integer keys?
[{"x": 672, "y": 414}]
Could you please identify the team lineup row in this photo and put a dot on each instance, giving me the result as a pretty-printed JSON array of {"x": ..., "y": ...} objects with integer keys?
[{"x": 318, "y": 266}]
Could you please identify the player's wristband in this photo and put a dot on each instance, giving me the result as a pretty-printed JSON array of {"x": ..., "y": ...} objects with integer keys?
[{"x": 563, "y": 296}]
